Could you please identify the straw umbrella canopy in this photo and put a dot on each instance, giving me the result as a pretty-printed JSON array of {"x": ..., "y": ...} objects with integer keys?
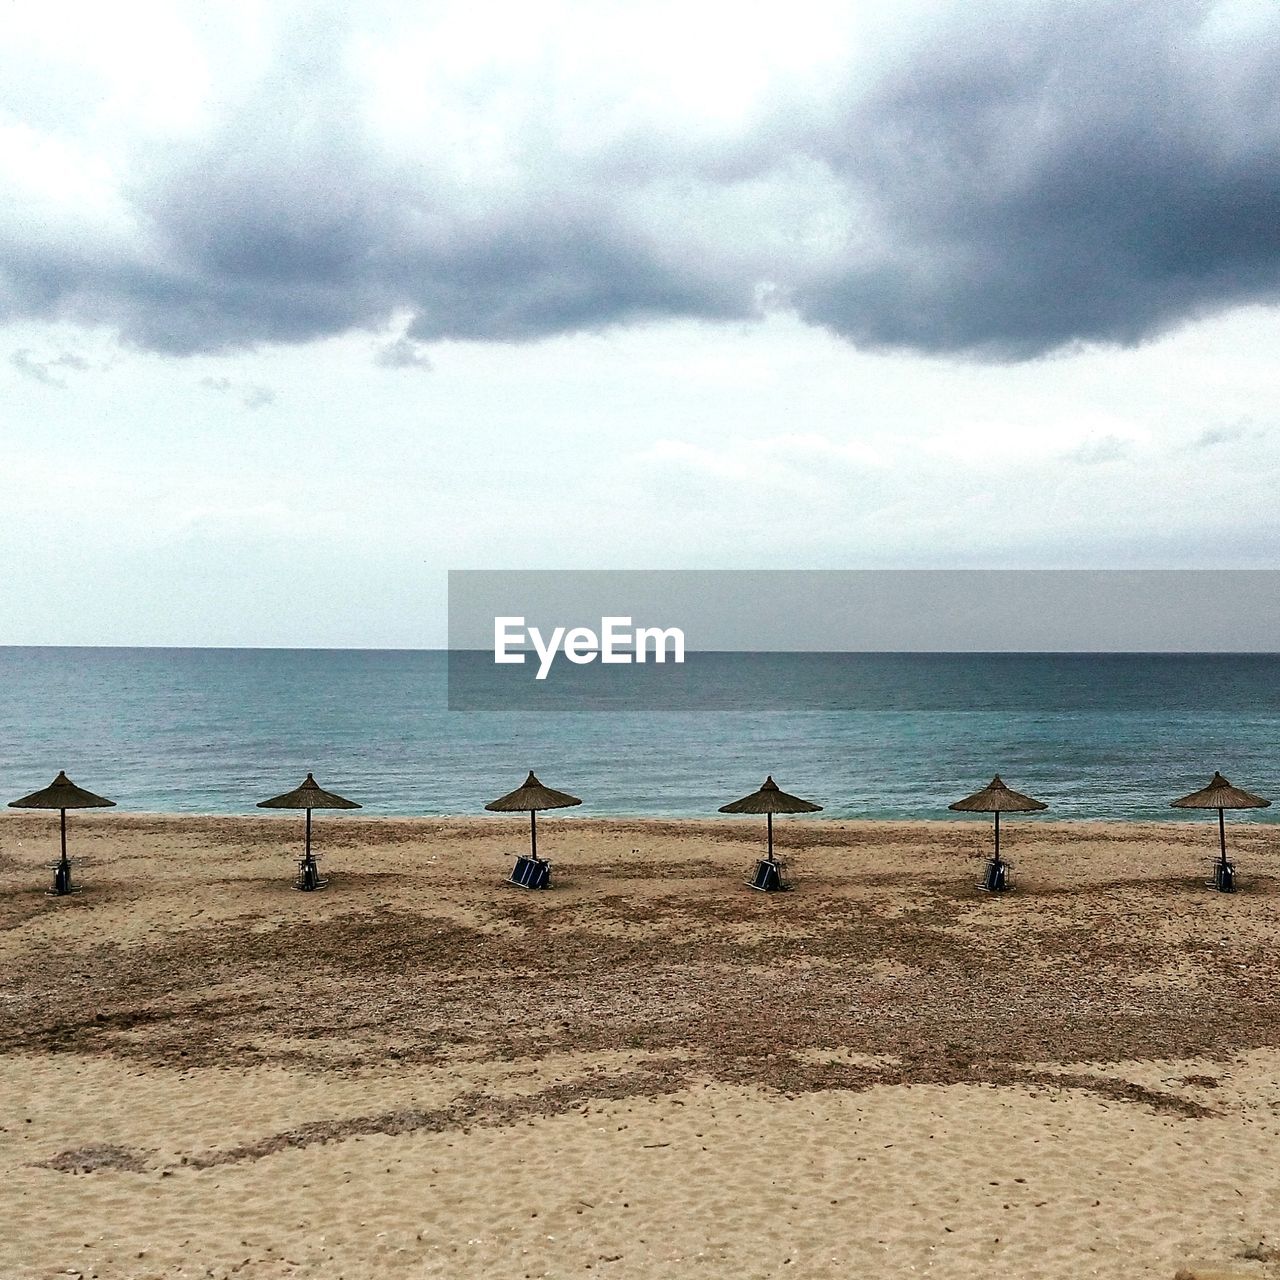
[
  {"x": 310, "y": 795},
  {"x": 62, "y": 794},
  {"x": 771, "y": 799},
  {"x": 1220, "y": 795},
  {"x": 997, "y": 798},
  {"x": 532, "y": 796}
]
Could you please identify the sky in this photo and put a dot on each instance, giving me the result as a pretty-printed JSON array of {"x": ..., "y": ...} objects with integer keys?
[{"x": 303, "y": 305}]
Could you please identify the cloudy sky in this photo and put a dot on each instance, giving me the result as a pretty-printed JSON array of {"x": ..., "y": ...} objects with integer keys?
[{"x": 305, "y": 304}]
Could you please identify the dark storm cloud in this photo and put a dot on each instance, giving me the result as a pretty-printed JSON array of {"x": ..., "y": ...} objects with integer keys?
[
  {"x": 1023, "y": 178},
  {"x": 1039, "y": 176},
  {"x": 289, "y": 224}
]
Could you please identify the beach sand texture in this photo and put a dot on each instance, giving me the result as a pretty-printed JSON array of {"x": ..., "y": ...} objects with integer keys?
[{"x": 650, "y": 1070}]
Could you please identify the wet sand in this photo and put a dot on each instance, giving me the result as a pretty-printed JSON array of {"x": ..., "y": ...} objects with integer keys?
[{"x": 649, "y": 1070}]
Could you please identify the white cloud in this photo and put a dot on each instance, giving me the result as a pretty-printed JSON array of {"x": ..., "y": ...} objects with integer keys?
[
  {"x": 252, "y": 395},
  {"x": 47, "y": 369},
  {"x": 792, "y": 460}
]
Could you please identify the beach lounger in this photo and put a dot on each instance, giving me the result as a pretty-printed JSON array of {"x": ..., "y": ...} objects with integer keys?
[
  {"x": 61, "y": 879},
  {"x": 768, "y": 877},
  {"x": 996, "y": 877},
  {"x": 531, "y": 873},
  {"x": 309, "y": 874},
  {"x": 1224, "y": 876}
]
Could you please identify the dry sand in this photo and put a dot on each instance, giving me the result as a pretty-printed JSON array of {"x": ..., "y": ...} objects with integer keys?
[{"x": 650, "y": 1070}]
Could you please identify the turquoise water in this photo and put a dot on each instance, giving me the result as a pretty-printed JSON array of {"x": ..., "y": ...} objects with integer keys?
[{"x": 215, "y": 730}]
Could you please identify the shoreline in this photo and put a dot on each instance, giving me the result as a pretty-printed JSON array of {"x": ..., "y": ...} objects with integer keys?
[{"x": 1245, "y": 820}]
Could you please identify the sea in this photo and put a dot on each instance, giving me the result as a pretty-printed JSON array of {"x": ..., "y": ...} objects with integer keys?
[{"x": 1095, "y": 736}]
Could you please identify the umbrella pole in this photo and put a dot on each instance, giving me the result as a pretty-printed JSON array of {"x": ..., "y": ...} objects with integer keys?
[
  {"x": 770, "y": 817},
  {"x": 307, "y": 847},
  {"x": 997, "y": 837},
  {"x": 533, "y": 833},
  {"x": 62, "y": 877},
  {"x": 1222, "y": 840}
]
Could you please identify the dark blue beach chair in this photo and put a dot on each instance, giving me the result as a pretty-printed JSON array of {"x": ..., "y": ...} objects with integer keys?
[
  {"x": 996, "y": 877},
  {"x": 309, "y": 877},
  {"x": 62, "y": 879},
  {"x": 768, "y": 877},
  {"x": 1224, "y": 876},
  {"x": 531, "y": 873}
]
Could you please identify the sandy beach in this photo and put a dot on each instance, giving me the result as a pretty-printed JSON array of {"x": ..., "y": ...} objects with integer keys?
[{"x": 648, "y": 1071}]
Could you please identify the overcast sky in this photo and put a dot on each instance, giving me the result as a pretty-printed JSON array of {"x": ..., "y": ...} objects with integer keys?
[{"x": 305, "y": 304}]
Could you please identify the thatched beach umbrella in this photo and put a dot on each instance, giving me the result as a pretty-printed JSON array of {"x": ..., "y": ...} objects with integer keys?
[
  {"x": 770, "y": 800},
  {"x": 997, "y": 798},
  {"x": 310, "y": 795},
  {"x": 62, "y": 794},
  {"x": 532, "y": 796},
  {"x": 1220, "y": 795}
]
